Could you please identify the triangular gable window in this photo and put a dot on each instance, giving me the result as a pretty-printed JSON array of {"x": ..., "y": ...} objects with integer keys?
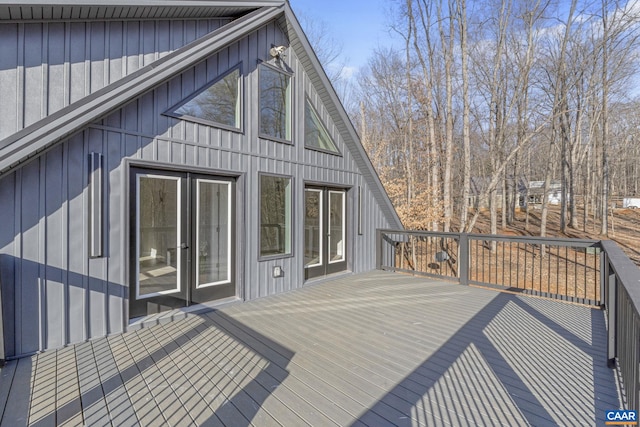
[
  {"x": 315, "y": 134},
  {"x": 217, "y": 103}
]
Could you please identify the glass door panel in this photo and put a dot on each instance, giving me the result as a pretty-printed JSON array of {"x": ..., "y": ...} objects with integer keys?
[
  {"x": 213, "y": 233},
  {"x": 336, "y": 226},
  {"x": 312, "y": 227},
  {"x": 158, "y": 236},
  {"x": 181, "y": 247},
  {"x": 325, "y": 232},
  {"x": 213, "y": 224}
]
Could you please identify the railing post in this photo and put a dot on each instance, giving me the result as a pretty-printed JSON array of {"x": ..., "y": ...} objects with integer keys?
[
  {"x": 463, "y": 259},
  {"x": 3, "y": 356},
  {"x": 612, "y": 303},
  {"x": 378, "y": 249},
  {"x": 604, "y": 274}
]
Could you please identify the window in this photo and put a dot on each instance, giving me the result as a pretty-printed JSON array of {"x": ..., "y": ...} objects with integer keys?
[
  {"x": 275, "y": 103},
  {"x": 275, "y": 215},
  {"x": 217, "y": 103},
  {"x": 315, "y": 134}
]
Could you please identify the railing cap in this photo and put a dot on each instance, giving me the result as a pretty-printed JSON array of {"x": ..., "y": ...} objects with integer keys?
[{"x": 561, "y": 241}]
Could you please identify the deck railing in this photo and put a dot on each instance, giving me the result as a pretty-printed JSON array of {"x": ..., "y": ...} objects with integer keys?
[
  {"x": 3, "y": 355},
  {"x": 621, "y": 279},
  {"x": 592, "y": 272},
  {"x": 567, "y": 269}
]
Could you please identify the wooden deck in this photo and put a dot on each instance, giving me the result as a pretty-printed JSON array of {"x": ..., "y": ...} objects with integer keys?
[{"x": 375, "y": 349}]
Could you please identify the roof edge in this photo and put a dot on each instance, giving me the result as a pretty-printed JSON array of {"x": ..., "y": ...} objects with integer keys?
[
  {"x": 37, "y": 137},
  {"x": 173, "y": 3},
  {"x": 365, "y": 161}
]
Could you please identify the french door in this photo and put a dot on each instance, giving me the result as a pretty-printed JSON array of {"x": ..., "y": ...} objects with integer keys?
[
  {"x": 325, "y": 232},
  {"x": 182, "y": 245}
]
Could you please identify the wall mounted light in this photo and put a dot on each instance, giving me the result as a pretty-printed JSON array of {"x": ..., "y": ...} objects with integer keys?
[{"x": 277, "y": 51}]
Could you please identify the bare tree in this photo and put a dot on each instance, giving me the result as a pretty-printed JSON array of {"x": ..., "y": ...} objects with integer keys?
[
  {"x": 483, "y": 102},
  {"x": 466, "y": 110}
]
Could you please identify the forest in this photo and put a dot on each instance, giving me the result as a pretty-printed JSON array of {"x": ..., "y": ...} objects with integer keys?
[{"x": 500, "y": 106}]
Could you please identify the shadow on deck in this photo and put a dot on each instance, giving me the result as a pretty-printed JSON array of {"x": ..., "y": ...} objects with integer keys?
[{"x": 373, "y": 349}]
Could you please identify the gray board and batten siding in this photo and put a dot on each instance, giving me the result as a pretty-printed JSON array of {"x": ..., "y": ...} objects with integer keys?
[
  {"x": 54, "y": 293},
  {"x": 46, "y": 66}
]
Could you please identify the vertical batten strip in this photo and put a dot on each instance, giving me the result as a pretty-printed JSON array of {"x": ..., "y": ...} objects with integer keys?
[
  {"x": 95, "y": 204},
  {"x": 359, "y": 210}
]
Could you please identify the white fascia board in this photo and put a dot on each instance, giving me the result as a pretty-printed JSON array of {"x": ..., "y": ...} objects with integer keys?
[{"x": 44, "y": 133}]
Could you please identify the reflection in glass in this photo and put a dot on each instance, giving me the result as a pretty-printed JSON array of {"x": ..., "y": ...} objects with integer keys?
[
  {"x": 275, "y": 109},
  {"x": 213, "y": 233},
  {"x": 218, "y": 103},
  {"x": 158, "y": 235},
  {"x": 336, "y": 226},
  {"x": 312, "y": 227},
  {"x": 275, "y": 215},
  {"x": 315, "y": 134}
]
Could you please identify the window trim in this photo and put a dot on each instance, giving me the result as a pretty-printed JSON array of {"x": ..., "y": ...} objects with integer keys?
[
  {"x": 291, "y": 97},
  {"x": 321, "y": 223},
  {"x": 308, "y": 147},
  {"x": 343, "y": 213},
  {"x": 241, "y": 110},
  {"x": 196, "y": 225},
  {"x": 179, "y": 238},
  {"x": 291, "y": 252}
]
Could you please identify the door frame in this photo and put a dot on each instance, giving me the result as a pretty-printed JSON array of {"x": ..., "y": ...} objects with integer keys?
[
  {"x": 327, "y": 267},
  {"x": 129, "y": 214},
  {"x": 211, "y": 292}
]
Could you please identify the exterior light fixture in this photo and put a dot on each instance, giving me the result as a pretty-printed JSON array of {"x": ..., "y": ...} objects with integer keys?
[{"x": 277, "y": 51}]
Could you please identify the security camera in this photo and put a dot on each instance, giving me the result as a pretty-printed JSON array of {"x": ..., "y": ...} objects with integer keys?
[{"x": 277, "y": 51}]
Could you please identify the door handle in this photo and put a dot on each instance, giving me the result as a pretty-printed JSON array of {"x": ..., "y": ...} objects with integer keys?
[{"x": 184, "y": 246}]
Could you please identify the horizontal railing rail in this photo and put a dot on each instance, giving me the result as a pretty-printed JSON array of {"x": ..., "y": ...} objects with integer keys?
[
  {"x": 427, "y": 253},
  {"x": 567, "y": 269},
  {"x": 592, "y": 272},
  {"x": 621, "y": 279}
]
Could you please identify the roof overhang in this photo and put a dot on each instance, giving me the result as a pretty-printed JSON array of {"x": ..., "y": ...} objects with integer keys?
[
  {"x": 29, "y": 142},
  {"x": 33, "y": 139},
  {"x": 31, "y": 10}
]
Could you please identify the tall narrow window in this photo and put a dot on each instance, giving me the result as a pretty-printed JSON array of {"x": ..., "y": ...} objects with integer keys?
[
  {"x": 315, "y": 134},
  {"x": 275, "y": 215},
  {"x": 275, "y": 103},
  {"x": 217, "y": 103}
]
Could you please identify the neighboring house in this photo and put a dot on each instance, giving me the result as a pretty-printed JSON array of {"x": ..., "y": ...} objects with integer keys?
[
  {"x": 478, "y": 184},
  {"x": 155, "y": 156},
  {"x": 533, "y": 192}
]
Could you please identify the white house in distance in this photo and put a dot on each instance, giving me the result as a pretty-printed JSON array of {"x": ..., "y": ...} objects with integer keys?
[
  {"x": 534, "y": 192},
  {"x": 162, "y": 157}
]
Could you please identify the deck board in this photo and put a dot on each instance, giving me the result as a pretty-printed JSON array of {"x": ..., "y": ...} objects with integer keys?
[
  {"x": 19, "y": 400},
  {"x": 43, "y": 398},
  {"x": 341, "y": 384},
  {"x": 94, "y": 407},
  {"x": 120, "y": 408},
  {"x": 167, "y": 384},
  {"x": 68, "y": 408},
  {"x": 7, "y": 374},
  {"x": 375, "y": 349},
  {"x": 146, "y": 408}
]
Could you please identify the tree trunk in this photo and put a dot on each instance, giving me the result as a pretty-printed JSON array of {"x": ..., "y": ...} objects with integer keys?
[
  {"x": 466, "y": 113},
  {"x": 604, "y": 230}
]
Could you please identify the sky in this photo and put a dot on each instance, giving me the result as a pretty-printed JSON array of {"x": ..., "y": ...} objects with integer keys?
[{"x": 361, "y": 25}]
